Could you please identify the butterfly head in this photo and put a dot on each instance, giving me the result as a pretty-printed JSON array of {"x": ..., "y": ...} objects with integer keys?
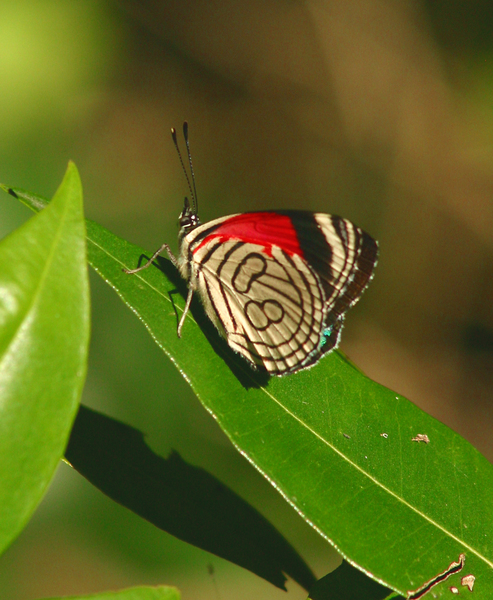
[{"x": 188, "y": 220}]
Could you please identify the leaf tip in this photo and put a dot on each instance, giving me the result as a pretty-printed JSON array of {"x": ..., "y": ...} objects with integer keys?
[{"x": 9, "y": 190}]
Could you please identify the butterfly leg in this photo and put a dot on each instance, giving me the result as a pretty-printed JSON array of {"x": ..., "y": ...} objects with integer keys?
[
  {"x": 192, "y": 286},
  {"x": 185, "y": 310},
  {"x": 172, "y": 258}
]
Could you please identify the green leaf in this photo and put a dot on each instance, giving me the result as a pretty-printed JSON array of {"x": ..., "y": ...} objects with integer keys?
[
  {"x": 338, "y": 446},
  {"x": 347, "y": 583},
  {"x": 179, "y": 498},
  {"x": 44, "y": 335},
  {"x": 160, "y": 592}
]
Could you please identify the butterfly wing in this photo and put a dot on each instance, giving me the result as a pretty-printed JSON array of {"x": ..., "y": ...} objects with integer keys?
[
  {"x": 270, "y": 308},
  {"x": 343, "y": 255},
  {"x": 277, "y": 285}
]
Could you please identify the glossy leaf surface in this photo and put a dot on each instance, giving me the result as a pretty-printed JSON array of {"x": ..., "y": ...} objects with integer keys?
[{"x": 44, "y": 336}]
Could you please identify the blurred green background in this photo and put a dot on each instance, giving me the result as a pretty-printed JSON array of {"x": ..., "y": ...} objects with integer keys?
[{"x": 380, "y": 111}]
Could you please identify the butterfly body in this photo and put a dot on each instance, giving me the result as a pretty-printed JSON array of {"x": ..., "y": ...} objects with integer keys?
[{"x": 277, "y": 284}]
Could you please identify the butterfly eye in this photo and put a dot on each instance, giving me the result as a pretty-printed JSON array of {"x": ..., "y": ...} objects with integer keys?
[{"x": 188, "y": 219}]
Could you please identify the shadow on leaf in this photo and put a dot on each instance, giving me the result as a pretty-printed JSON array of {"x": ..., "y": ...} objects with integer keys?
[
  {"x": 180, "y": 499},
  {"x": 348, "y": 583}
]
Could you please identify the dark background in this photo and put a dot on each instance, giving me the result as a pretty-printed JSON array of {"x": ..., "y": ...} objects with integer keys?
[{"x": 380, "y": 111}]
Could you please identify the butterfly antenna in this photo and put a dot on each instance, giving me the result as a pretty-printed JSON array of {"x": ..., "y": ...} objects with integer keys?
[
  {"x": 175, "y": 141},
  {"x": 187, "y": 142}
]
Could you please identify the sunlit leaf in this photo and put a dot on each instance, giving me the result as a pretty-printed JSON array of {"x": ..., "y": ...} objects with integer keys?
[
  {"x": 343, "y": 450},
  {"x": 44, "y": 335}
]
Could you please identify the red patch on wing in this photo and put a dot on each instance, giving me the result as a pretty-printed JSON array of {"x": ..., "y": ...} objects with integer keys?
[{"x": 265, "y": 229}]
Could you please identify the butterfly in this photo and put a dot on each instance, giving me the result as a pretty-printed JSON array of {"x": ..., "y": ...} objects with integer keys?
[{"x": 276, "y": 284}]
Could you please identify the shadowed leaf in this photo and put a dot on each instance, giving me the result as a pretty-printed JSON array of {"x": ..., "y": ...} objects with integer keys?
[{"x": 181, "y": 499}]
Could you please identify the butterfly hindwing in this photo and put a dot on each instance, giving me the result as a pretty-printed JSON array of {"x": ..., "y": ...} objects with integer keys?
[{"x": 269, "y": 307}]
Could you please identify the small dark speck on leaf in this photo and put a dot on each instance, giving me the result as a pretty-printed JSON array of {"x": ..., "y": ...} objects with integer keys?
[
  {"x": 12, "y": 193},
  {"x": 346, "y": 436}
]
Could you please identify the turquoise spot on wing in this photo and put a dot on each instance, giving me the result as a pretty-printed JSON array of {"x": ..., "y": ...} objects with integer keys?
[{"x": 326, "y": 335}]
